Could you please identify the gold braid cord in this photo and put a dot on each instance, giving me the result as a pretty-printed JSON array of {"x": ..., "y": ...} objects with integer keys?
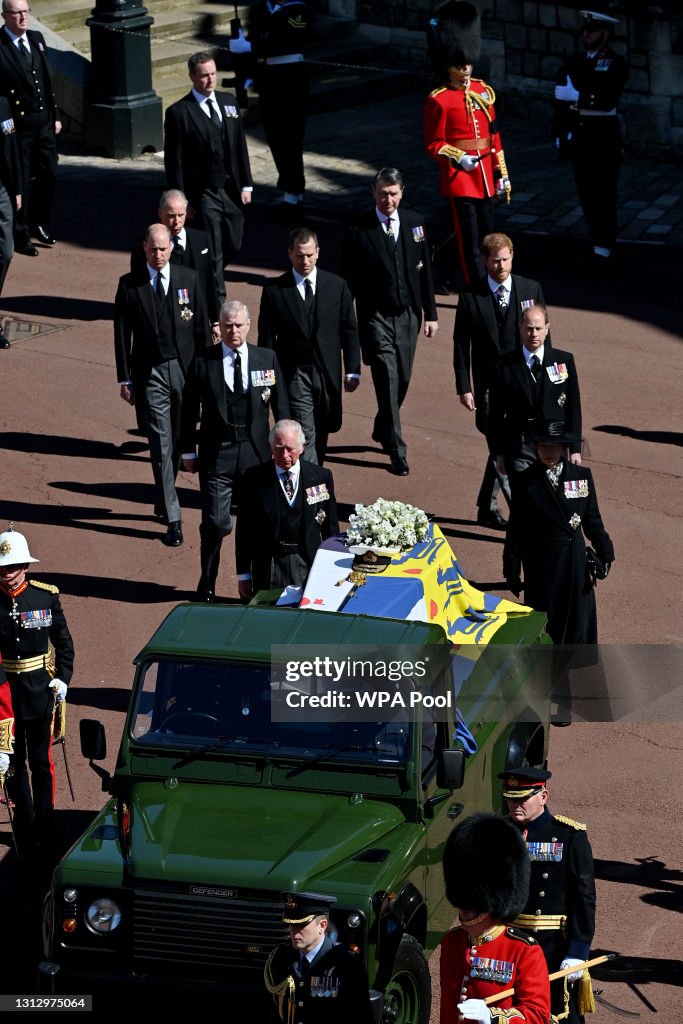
[
  {"x": 452, "y": 152},
  {"x": 283, "y": 993},
  {"x": 6, "y": 738},
  {"x": 59, "y": 722},
  {"x": 510, "y": 1014},
  {"x": 503, "y": 168}
]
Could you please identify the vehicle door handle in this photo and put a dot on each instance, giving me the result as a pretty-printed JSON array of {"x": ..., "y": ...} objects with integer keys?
[{"x": 455, "y": 810}]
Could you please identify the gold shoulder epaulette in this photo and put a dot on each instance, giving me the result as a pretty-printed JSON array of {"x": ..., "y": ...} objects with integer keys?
[
  {"x": 44, "y": 586},
  {"x": 488, "y": 95},
  {"x": 437, "y": 92},
  {"x": 515, "y": 933},
  {"x": 579, "y": 826}
]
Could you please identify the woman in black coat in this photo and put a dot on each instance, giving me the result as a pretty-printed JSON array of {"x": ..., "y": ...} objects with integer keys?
[{"x": 554, "y": 505}]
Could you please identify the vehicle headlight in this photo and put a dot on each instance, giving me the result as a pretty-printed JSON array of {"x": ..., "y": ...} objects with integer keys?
[
  {"x": 103, "y": 916},
  {"x": 354, "y": 920}
]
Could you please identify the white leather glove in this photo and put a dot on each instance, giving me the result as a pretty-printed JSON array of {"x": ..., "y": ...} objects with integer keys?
[
  {"x": 566, "y": 92},
  {"x": 503, "y": 186},
  {"x": 60, "y": 689},
  {"x": 240, "y": 45},
  {"x": 467, "y": 162},
  {"x": 4, "y": 764},
  {"x": 475, "y": 1009},
  {"x": 570, "y": 961}
]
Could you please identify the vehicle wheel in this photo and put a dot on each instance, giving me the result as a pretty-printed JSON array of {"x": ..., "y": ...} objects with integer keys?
[{"x": 408, "y": 996}]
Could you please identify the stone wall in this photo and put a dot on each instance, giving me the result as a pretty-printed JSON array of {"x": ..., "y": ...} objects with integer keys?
[{"x": 523, "y": 45}]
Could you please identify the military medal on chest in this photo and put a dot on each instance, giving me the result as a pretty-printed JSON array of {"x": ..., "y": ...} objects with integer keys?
[{"x": 184, "y": 302}]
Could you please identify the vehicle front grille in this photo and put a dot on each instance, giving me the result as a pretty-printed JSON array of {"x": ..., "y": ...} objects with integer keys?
[{"x": 208, "y": 931}]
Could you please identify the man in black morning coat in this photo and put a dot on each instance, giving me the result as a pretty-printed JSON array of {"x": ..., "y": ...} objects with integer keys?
[
  {"x": 535, "y": 382},
  {"x": 307, "y": 318},
  {"x": 387, "y": 262},
  {"x": 287, "y": 509},
  {"x": 205, "y": 156},
  {"x": 160, "y": 324},
  {"x": 235, "y": 385},
  {"x": 486, "y": 328}
]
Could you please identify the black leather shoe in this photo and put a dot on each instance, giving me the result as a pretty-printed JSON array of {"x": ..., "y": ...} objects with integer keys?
[
  {"x": 206, "y": 596},
  {"x": 27, "y": 250},
  {"x": 493, "y": 520},
  {"x": 399, "y": 466},
  {"x": 174, "y": 535},
  {"x": 43, "y": 235},
  {"x": 4, "y": 342}
]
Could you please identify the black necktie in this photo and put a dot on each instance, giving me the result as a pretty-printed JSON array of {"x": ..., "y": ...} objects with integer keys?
[
  {"x": 308, "y": 293},
  {"x": 213, "y": 111},
  {"x": 159, "y": 288},
  {"x": 238, "y": 385},
  {"x": 289, "y": 491},
  {"x": 502, "y": 297},
  {"x": 178, "y": 245},
  {"x": 536, "y": 368},
  {"x": 25, "y": 50}
]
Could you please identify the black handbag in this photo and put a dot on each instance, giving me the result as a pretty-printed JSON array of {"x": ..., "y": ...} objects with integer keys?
[{"x": 595, "y": 569}]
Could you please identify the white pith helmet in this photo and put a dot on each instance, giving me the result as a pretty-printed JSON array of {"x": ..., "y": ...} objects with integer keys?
[{"x": 14, "y": 548}]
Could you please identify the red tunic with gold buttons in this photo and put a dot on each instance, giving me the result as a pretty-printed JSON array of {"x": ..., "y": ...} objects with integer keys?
[
  {"x": 502, "y": 958},
  {"x": 6, "y": 714},
  {"x": 458, "y": 120}
]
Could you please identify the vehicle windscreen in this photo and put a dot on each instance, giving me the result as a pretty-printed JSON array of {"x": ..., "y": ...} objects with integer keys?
[{"x": 203, "y": 707}]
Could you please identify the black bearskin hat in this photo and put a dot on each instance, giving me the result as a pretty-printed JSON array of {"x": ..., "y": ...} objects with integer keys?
[
  {"x": 486, "y": 867},
  {"x": 454, "y": 36}
]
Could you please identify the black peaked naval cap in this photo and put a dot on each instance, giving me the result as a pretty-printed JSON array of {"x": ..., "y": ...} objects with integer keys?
[
  {"x": 519, "y": 783},
  {"x": 554, "y": 431},
  {"x": 302, "y": 907},
  {"x": 486, "y": 867}
]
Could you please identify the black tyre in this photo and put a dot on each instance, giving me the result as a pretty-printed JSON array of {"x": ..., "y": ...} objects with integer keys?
[{"x": 408, "y": 996}]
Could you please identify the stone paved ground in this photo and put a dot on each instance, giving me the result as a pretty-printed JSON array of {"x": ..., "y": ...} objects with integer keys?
[{"x": 344, "y": 148}]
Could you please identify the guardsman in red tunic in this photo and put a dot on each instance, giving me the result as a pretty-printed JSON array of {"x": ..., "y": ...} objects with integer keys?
[
  {"x": 486, "y": 870},
  {"x": 461, "y": 133},
  {"x": 38, "y": 655}
]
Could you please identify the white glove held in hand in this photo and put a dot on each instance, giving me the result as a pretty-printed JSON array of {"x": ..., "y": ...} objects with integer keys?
[
  {"x": 4, "y": 764},
  {"x": 60, "y": 689},
  {"x": 570, "y": 961},
  {"x": 240, "y": 45},
  {"x": 475, "y": 1009},
  {"x": 467, "y": 162},
  {"x": 566, "y": 92}
]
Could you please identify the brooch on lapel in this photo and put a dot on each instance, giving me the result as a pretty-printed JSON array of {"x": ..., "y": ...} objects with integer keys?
[
  {"x": 184, "y": 301},
  {"x": 575, "y": 521},
  {"x": 320, "y": 517}
]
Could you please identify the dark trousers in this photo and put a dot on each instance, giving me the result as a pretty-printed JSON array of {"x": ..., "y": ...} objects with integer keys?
[
  {"x": 283, "y": 99},
  {"x": 390, "y": 349},
  {"x": 38, "y": 145},
  {"x": 6, "y": 227},
  {"x": 472, "y": 219},
  {"x": 223, "y": 221},
  {"x": 34, "y": 801},
  {"x": 219, "y": 479},
  {"x": 596, "y": 158},
  {"x": 308, "y": 404},
  {"x": 493, "y": 481}
]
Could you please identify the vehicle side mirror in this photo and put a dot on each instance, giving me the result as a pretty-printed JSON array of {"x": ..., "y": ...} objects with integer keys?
[
  {"x": 450, "y": 773},
  {"x": 93, "y": 739},
  {"x": 94, "y": 747}
]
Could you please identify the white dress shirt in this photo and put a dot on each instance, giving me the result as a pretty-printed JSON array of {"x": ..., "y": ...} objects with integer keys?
[
  {"x": 528, "y": 356},
  {"x": 229, "y": 365},
  {"x": 395, "y": 222},
  {"x": 203, "y": 102},
  {"x": 295, "y": 472},
  {"x": 165, "y": 277},
  {"x": 507, "y": 285},
  {"x": 299, "y": 281}
]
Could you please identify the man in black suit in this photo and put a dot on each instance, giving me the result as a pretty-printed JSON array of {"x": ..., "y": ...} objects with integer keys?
[
  {"x": 307, "y": 318},
  {"x": 287, "y": 509},
  {"x": 486, "y": 327},
  {"x": 10, "y": 192},
  {"x": 235, "y": 385},
  {"x": 205, "y": 156},
  {"x": 311, "y": 965},
  {"x": 537, "y": 381},
  {"x": 190, "y": 247},
  {"x": 26, "y": 80},
  {"x": 387, "y": 262},
  {"x": 160, "y": 324}
]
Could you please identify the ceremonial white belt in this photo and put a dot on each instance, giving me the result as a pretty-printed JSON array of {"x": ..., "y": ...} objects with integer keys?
[
  {"x": 285, "y": 58},
  {"x": 27, "y": 664},
  {"x": 541, "y": 922},
  {"x": 598, "y": 113}
]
